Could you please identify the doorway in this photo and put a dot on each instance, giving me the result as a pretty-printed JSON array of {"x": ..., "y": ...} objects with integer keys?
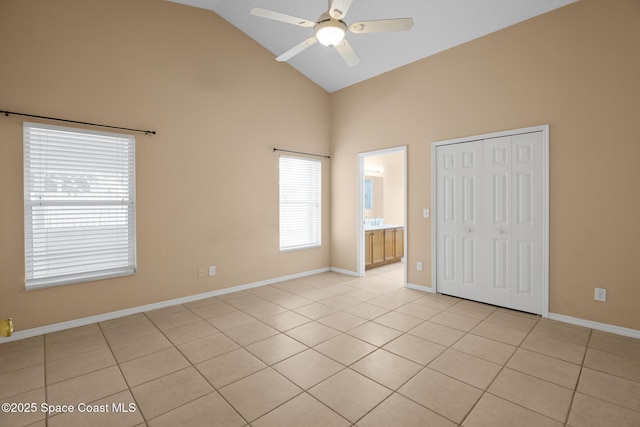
[{"x": 382, "y": 209}]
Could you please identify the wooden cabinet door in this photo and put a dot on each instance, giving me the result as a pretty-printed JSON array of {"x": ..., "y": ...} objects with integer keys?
[
  {"x": 368, "y": 240},
  {"x": 399, "y": 243},
  {"x": 389, "y": 244},
  {"x": 377, "y": 247}
]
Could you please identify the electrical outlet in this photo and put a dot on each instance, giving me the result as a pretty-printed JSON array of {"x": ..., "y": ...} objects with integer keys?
[
  {"x": 212, "y": 270},
  {"x": 201, "y": 272},
  {"x": 600, "y": 294},
  {"x": 419, "y": 265}
]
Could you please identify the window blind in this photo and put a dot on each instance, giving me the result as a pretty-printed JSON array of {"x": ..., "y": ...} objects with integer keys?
[
  {"x": 79, "y": 205},
  {"x": 300, "y": 203}
]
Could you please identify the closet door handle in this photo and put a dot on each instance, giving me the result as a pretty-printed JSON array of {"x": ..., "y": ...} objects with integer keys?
[
  {"x": 500, "y": 231},
  {"x": 468, "y": 230}
]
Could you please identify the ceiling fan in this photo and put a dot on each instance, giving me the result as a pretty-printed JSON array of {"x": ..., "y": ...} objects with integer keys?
[{"x": 330, "y": 29}]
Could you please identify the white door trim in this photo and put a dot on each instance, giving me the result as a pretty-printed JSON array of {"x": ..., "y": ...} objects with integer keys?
[
  {"x": 545, "y": 200},
  {"x": 360, "y": 219}
]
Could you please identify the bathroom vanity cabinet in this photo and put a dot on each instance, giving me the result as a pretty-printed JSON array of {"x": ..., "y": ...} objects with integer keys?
[{"x": 383, "y": 245}]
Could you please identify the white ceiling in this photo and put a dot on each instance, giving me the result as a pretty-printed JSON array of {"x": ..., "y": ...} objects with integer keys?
[{"x": 438, "y": 25}]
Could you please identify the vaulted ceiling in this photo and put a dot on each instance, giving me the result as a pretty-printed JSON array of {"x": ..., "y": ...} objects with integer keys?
[{"x": 438, "y": 25}]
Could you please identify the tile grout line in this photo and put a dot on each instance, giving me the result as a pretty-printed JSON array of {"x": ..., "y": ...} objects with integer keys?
[
  {"x": 161, "y": 331},
  {"x": 270, "y": 366},
  {"x": 427, "y": 367},
  {"x": 397, "y": 390},
  {"x": 379, "y": 348},
  {"x": 451, "y": 347},
  {"x": 86, "y": 373},
  {"x": 315, "y": 287},
  {"x": 138, "y": 407},
  {"x": 146, "y": 382},
  {"x": 44, "y": 370},
  {"x": 192, "y": 365},
  {"x": 393, "y": 391},
  {"x": 575, "y": 389},
  {"x": 502, "y": 368},
  {"x": 303, "y": 391},
  {"x": 306, "y": 391},
  {"x": 532, "y": 376}
]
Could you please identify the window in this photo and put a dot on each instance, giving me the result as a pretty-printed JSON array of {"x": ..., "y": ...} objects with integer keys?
[
  {"x": 79, "y": 205},
  {"x": 300, "y": 195}
]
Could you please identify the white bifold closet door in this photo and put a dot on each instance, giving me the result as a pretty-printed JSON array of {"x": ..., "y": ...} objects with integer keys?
[
  {"x": 489, "y": 232},
  {"x": 460, "y": 219}
]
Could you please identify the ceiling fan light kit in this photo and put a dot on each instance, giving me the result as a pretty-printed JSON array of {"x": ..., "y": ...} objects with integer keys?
[
  {"x": 330, "y": 29},
  {"x": 330, "y": 32}
]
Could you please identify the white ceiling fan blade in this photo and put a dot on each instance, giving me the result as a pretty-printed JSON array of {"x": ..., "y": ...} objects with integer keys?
[
  {"x": 339, "y": 8},
  {"x": 277, "y": 16},
  {"x": 399, "y": 24},
  {"x": 348, "y": 54},
  {"x": 297, "y": 49}
]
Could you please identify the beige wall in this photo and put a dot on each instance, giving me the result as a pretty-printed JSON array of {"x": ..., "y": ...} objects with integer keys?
[
  {"x": 393, "y": 164},
  {"x": 576, "y": 69},
  {"x": 207, "y": 183}
]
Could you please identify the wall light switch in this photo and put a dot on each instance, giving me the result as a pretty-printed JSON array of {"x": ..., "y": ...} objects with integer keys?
[
  {"x": 425, "y": 213},
  {"x": 212, "y": 270}
]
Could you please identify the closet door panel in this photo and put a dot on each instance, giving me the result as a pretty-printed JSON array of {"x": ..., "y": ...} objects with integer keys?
[
  {"x": 470, "y": 227},
  {"x": 448, "y": 212},
  {"x": 489, "y": 226},
  {"x": 497, "y": 245},
  {"x": 527, "y": 221}
]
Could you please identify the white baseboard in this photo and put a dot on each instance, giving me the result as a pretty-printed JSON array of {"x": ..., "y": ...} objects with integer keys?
[
  {"x": 55, "y": 327},
  {"x": 343, "y": 271},
  {"x": 619, "y": 330},
  {"x": 420, "y": 288}
]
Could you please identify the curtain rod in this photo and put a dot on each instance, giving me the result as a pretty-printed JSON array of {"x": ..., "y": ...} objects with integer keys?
[
  {"x": 300, "y": 152},
  {"x": 146, "y": 132}
]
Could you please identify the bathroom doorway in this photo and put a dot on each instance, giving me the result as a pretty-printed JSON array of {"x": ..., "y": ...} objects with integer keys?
[{"x": 382, "y": 211}]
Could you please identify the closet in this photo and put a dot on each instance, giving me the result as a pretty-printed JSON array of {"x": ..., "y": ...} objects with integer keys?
[{"x": 490, "y": 225}]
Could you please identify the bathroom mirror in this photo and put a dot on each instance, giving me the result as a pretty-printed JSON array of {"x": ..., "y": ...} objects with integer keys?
[{"x": 373, "y": 197}]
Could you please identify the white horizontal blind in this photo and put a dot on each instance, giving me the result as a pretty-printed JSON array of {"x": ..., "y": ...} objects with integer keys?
[
  {"x": 79, "y": 205},
  {"x": 300, "y": 203}
]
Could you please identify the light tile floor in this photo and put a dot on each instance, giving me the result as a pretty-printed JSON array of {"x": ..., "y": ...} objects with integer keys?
[{"x": 325, "y": 350}]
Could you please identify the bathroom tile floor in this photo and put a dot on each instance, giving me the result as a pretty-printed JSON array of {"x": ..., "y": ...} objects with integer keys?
[{"x": 325, "y": 350}]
